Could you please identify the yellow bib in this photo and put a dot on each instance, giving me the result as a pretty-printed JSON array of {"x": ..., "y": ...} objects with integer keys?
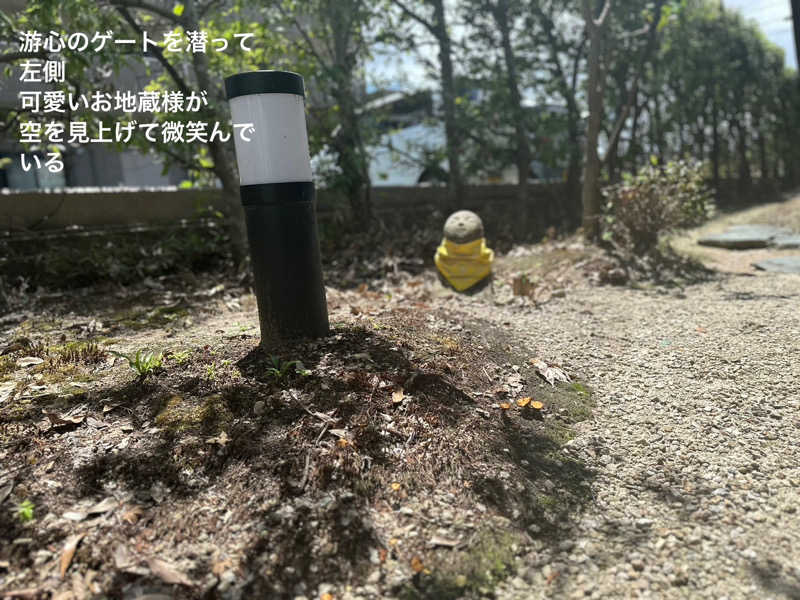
[{"x": 464, "y": 265}]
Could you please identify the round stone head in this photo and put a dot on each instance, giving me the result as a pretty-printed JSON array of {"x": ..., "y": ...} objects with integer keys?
[{"x": 463, "y": 226}]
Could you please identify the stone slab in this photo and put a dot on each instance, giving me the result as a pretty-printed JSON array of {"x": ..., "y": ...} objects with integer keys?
[
  {"x": 740, "y": 237},
  {"x": 781, "y": 264},
  {"x": 784, "y": 242}
]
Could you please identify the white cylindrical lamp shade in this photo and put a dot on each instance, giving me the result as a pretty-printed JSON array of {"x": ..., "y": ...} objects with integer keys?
[{"x": 273, "y": 102}]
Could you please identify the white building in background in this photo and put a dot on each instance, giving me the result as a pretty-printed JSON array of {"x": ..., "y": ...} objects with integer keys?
[{"x": 399, "y": 158}]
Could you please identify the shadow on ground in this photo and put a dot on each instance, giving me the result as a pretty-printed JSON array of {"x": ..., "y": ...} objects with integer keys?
[{"x": 305, "y": 471}]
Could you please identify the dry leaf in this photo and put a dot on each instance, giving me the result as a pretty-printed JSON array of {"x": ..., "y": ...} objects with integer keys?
[
  {"x": 382, "y": 554},
  {"x": 397, "y": 397},
  {"x": 69, "y": 551},
  {"x": 5, "y": 491},
  {"x": 167, "y": 572},
  {"x": 549, "y": 373},
  {"x": 523, "y": 402},
  {"x": 416, "y": 565},
  {"x": 101, "y": 507},
  {"x": 438, "y": 540},
  {"x": 95, "y": 423},
  {"x": 104, "y": 506},
  {"x": 221, "y": 439},
  {"x": 219, "y": 567},
  {"x": 542, "y": 294},
  {"x": 123, "y": 558},
  {"x": 393, "y": 542},
  {"x": 7, "y": 390},
  {"x": 342, "y": 443},
  {"x": 29, "y": 361},
  {"x": 75, "y": 515},
  {"x": 132, "y": 516},
  {"x": 57, "y": 420}
]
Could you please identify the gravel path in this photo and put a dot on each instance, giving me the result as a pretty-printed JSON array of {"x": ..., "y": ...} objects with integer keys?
[{"x": 695, "y": 441}]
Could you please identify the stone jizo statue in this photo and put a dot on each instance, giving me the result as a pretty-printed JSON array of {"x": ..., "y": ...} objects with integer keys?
[{"x": 463, "y": 258}]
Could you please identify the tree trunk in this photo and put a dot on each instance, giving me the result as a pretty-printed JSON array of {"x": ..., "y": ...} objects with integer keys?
[
  {"x": 761, "y": 142},
  {"x": 222, "y": 155},
  {"x": 523, "y": 154},
  {"x": 567, "y": 89},
  {"x": 745, "y": 177},
  {"x": 633, "y": 150},
  {"x": 455, "y": 187},
  {"x": 715, "y": 142},
  {"x": 591, "y": 173},
  {"x": 349, "y": 144}
]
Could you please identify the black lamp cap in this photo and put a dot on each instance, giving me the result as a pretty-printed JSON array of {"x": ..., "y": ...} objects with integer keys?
[{"x": 264, "y": 82}]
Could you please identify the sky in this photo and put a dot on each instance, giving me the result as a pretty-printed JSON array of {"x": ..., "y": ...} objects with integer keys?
[
  {"x": 403, "y": 72},
  {"x": 774, "y": 18}
]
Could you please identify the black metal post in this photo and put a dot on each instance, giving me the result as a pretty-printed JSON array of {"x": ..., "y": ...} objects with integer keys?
[{"x": 278, "y": 200}]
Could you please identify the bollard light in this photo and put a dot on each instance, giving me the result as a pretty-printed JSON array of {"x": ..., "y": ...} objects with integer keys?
[{"x": 277, "y": 194}]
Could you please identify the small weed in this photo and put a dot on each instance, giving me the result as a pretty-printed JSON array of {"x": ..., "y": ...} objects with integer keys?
[
  {"x": 25, "y": 511},
  {"x": 143, "y": 362},
  {"x": 211, "y": 372},
  {"x": 38, "y": 349},
  {"x": 181, "y": 357},
  {"x": 280, "y": 370},
  {"x": 88, "y": 353}
]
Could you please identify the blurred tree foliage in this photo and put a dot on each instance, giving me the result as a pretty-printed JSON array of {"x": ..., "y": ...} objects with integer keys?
[{"x": 514, "y": 82}]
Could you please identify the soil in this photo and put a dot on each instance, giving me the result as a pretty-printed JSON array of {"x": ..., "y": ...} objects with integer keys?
[
  {"x": 394, "y": 448},
  {"x": 400, "y": 457}
]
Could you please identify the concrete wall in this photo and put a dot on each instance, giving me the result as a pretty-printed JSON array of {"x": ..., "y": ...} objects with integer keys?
[
  {"x": 550, "y": 204},
  {"x": 25, "y": 211},
  {"x": 37, "y": 210}
]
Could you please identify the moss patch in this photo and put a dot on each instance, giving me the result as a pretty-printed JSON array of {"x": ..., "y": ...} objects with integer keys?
[
  {"x": 470, "y": 572},
  {"x": 7, "y": 366},
  {"x": 210, "y": 414}
]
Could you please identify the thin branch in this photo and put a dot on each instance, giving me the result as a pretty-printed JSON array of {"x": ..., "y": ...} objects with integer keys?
[
  {"x": 156, "y": 10},
  {"x": 598, "y": 22},
  {"x": 157, "y": 52},
  {"x": 309, "y": 43},
  {"x": 634, "y": 90},
  {"x": 411, "y": 14},
  {"x": 204, "y": 9},
  {"x": 14, "y": 56}
]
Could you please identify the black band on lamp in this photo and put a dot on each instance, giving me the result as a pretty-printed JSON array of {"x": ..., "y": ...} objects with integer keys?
[
  {"x": 264, "y": 82},
  {"x": 272, "y": 194}
]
